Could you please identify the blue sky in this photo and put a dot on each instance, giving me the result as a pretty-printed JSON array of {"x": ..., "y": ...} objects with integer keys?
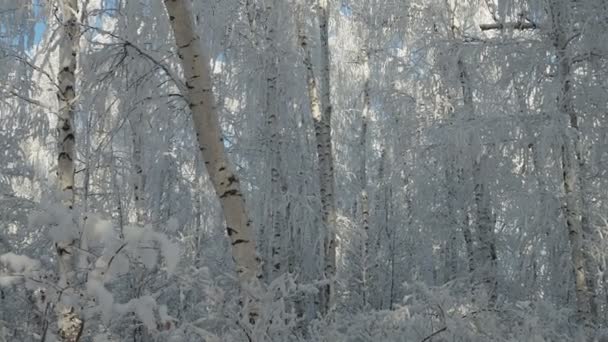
[{"x": 40, "y": 25}]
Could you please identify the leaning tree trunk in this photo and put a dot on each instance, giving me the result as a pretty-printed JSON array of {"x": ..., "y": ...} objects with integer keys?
[
  {"x": 69, "y": 323},
  {"x": 199, "y": 96}
]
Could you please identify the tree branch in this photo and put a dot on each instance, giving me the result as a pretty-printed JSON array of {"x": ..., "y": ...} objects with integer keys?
[
  {"x": 514, "y": 26},
  {"x": 176, "y": 80},
  {"x": 434, "y": 334}
]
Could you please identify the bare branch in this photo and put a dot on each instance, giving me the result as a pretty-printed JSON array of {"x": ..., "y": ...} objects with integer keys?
[
  {"x": 145, "y": 54},
  {"x": 514, "y": 26},
  {"x": 434, "y": 334},
  {"x": 30, "y": 100}
]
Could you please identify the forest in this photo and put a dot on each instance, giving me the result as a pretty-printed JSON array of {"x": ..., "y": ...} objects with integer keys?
[{"x": 303, "y": 170}]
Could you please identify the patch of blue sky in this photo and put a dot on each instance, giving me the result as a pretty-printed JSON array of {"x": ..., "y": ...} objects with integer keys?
[
  {"x": 40, "y": 25},
  {"x": 221, "y": 57},
  {"x": 39, "y": 29},
  {"x": 345, "y": 9}
]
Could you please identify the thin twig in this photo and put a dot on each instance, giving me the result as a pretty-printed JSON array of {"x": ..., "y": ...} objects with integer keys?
[
  {"x": 434, "y": 334},
  {"x": 115, "y": 254},
  {"x": 143, "y": 53}
]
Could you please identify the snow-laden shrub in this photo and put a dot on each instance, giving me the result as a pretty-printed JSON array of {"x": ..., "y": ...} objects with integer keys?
[
  {"x": 102, "y": 257},
  {"x": 437, "y": 314}
]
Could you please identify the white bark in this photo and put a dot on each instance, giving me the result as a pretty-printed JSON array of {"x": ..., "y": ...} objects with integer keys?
[
  {"x": 138, "y": 171},
  {"x": 199, "y": 96},
  {"x": 320, "y": 105},
  {"x": 272, "y": 232},
  {"x": 278, "y": 182},
  {"x": 66, "y": 94},
  {"x": 69, "y": 323},
  {"x": 326, "y": 163},
  {"x": 572, "y": 162},
  {"x": 363, "y": 197},
  {"x": 487, "y": 259},
  {"x": 485, "y": 264}
]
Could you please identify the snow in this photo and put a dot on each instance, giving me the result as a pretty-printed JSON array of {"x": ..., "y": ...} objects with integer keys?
[
  {"x": 144, "y": 309},
  {"x": 142, "y": 242},
  {"x": 101, "y": 338},
  {"x": 57, "y": 217},
  {"x": 148, "y": 256},
  {"x": 98, "y": 229},
  {"x": 6, "y": 281},
  {"x": 103, "y": 298},
  {"x": 19, "y": 263},
  {"x": 169, "y": 251},
  {"x": 119, "y": 266}
]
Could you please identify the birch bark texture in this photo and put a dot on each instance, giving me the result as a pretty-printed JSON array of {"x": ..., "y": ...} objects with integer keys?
[
  {"x": 70, "y": 325},
  {"x": 199, "y": 96},
  {"x": 572, "y": 160},
  {"x": 319, "y": 96},
  {"x": 278, "y": 182},
  {"x": 66, "y": 95},
  {"x": 363, "y": 196},
  {"x": 326, "y": 159}
]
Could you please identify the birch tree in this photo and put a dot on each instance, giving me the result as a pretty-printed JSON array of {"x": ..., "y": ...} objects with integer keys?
[
  {"x": 319, "y": 95},
  {"x": 69, "y": 321},
  {"x": 572, "y": 159},
  {"x": 322, "y": 122},
  {"x": 468, "y": 143},
  {"x": 199, "y": 96}
]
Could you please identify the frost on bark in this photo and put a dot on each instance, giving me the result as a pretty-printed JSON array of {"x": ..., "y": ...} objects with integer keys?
[
  {"x": 70, "y": 325},
  {"x": 363, "y": 196},
  {"x": 482, "y": 260},
  {"x": 278, "y": 186},
  {"x": 320, "y": 105},
  {"x": 487, "y": 258},
  {"x": 138, "y": 172},
  {"x": 572, "y": 164},
  {"x": 66, "y": 94},
  {"x": 199, "y": 96}
]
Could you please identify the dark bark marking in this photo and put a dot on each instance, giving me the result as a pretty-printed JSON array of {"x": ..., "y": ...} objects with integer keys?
[{"x": 231, "y": 192}]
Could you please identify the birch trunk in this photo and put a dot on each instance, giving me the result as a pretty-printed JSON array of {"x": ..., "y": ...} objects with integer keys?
[
  {"x": 363, "y": 197},
  {"x": 69, "y": 323},
  {"x": 278, "y": 186},
  {"x": 326, "y": 163},
  {"x": 138, "y": 171},
  {"x": 485, "y": 226},
  {"x": 485, "y": 264},
  {"x": 572, "y": 162},
  {"x": 451, "y": 253},
  {"x": 199, "y": 96},
  {"x": 320, "y": 106}
]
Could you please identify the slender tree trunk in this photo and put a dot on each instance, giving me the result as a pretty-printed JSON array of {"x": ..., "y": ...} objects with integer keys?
[
  {"x": 69, "y": 323},
  {"x": 320, "y": 97},
  {"x": 199, "y": 96},
  {"x": 138, "y": 177},
  {"x": 486, "y": 261},
  {"x": 485, "y": 227},
  {"x": 326, "y": 163},
  {"x": 278, "y": 184},
  {"x": 451, "y": 253},
  {"x": 572, "y": 163},
  {"x": 363, "y": 197}
]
